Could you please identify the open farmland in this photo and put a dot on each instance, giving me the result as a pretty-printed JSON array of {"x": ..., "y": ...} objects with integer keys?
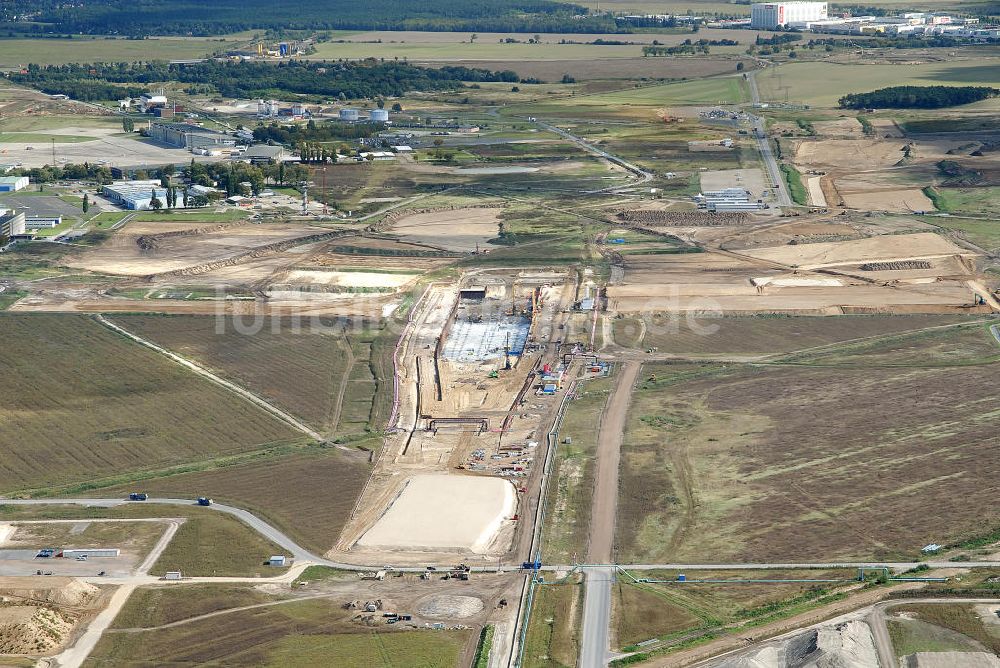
[
  {"x": 303, "y": 633},
  {"x": 309, "y": 495},
  {"x": 18, "y": 52},
  {"x": 323, "y": 370},
  {"x": 809, "y": 462},
  {"x": 673, "y": 610},
  {"x": 641, "y": 103},
  {"x": 84, "y": 402},
  {"x": 759, "y": 335},
  {"x": 821, "y": 84}
]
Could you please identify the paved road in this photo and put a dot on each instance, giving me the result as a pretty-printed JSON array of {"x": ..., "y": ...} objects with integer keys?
[
  {"x": 764, "y": 146},
  {"x": 594, "y": 641},
  {"x": 644, "y": 176}
]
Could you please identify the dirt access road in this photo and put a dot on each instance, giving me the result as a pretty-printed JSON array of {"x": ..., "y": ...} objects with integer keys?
[
  {"x": 597, "y": 602},
  {"x": 609, "y": 441}
]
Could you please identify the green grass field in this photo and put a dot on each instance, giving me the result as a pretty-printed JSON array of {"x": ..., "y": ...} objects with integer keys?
[
  {"x": 15, "y": 52},
  {"x": 37, "y": 138},
  {"x": 640, "y": 101},
  {"x": 309, "y": 634},
  {"x": 153, "y": 606},
  {"x": 84, "y": 403},
  {"x": 822, "y": 84},
  {"x": 553, "y": 636}
]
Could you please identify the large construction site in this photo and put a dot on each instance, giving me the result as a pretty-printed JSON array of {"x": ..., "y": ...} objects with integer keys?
[{"x": 470, "y": 414}]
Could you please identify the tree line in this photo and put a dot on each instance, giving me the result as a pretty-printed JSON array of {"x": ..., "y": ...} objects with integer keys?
[
  {"x": 196, "y": 17},
  {"x": 345, "y": 80},
  {"x": 917, "y": 97}
]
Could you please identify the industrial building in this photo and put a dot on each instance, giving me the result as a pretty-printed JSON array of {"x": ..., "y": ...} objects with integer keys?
[
  {"x": 135, "y": 195},
  {"x": 728, "y": 199},
  {"x": 11, "y": 223},
  {"x": 9, "y": 184},
  {"x": 42, "y": 222},
  {"x": 771, "y": 15},
  {"x": 189, "y": 136}
]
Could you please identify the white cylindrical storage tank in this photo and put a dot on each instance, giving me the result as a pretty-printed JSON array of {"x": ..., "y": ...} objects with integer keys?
[
  {"x": 378, "y": 116},
  {"x": 348, "y": 114}
]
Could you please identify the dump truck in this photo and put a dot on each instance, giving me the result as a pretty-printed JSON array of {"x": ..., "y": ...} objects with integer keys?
[{"x": 204, "y": 501}]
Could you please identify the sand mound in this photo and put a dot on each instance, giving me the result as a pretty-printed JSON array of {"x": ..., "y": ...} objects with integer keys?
[
  {"x": 28, "y": 629},
  {"x": 846, "y": 645},
  {"x": 951, "y": 659},
  {"x": 6, "y": 531},
  {"x": 450, "y": 607},
  {"x": 54, "y": 590}
]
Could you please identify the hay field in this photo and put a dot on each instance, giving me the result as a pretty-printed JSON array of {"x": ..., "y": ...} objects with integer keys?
[
  {"x": 821, "y": 84},
  {"x": 817, "y": 461},
  {"x": 83, "y": 402},
  {"x": 322, "y": 373},
  {"x": 303, "y": 633},
  {"x": 309, "y": 494},
  {"x": 760, "y": 335},
  {"x": 16, "y": 52}
]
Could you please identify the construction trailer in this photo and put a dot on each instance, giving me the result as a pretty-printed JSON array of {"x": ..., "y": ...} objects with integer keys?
[{"x": 96, "y": 552}]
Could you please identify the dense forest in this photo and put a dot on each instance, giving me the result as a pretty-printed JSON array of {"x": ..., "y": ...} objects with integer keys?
[
  {"x": 312, "y": 80},
  {"x": 917, "y": 97},
  {"x": 196, "y": 17}
]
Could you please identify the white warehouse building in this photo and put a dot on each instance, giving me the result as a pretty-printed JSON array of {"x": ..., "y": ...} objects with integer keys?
[{"x": 771, "y": 15}]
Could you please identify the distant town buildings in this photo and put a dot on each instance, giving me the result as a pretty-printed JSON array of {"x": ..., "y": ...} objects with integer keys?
[{"x": 771, "y": 15}]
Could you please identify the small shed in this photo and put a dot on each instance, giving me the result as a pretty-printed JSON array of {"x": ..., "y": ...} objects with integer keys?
[{"x": 276, "y": 560}]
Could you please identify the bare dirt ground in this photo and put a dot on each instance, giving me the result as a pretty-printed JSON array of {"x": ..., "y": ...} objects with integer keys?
[
  {"x": 842, "y": 127},
  {"x": 795, "y": 277},
  {"x": 462, "y": 230},
  {"x": 751, "y": 179},
  {"x": 40, "y": 615},
  {"x": 883, "y": 249},
  {"x": 122, "y": 254}
]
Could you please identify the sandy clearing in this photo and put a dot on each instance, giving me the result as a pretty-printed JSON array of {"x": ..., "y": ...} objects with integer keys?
[
  {"x": 842, "y": 127},
  {"x": 445, "y": 513},
  {"x": 902, "y": 201},
  {"x": 793, "y": 282},
  {"x": 884, "y": 248},
  {"x": 460, "y": 230},
  {"x": 816, "y": 196},
  {"x": 6, "y": 531},
  {"x": 951, "y": 659},
  {"x": 850, "y": 154},
  {"x": 364, "y": 279},
  {"x": 751, "y": 179}
]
